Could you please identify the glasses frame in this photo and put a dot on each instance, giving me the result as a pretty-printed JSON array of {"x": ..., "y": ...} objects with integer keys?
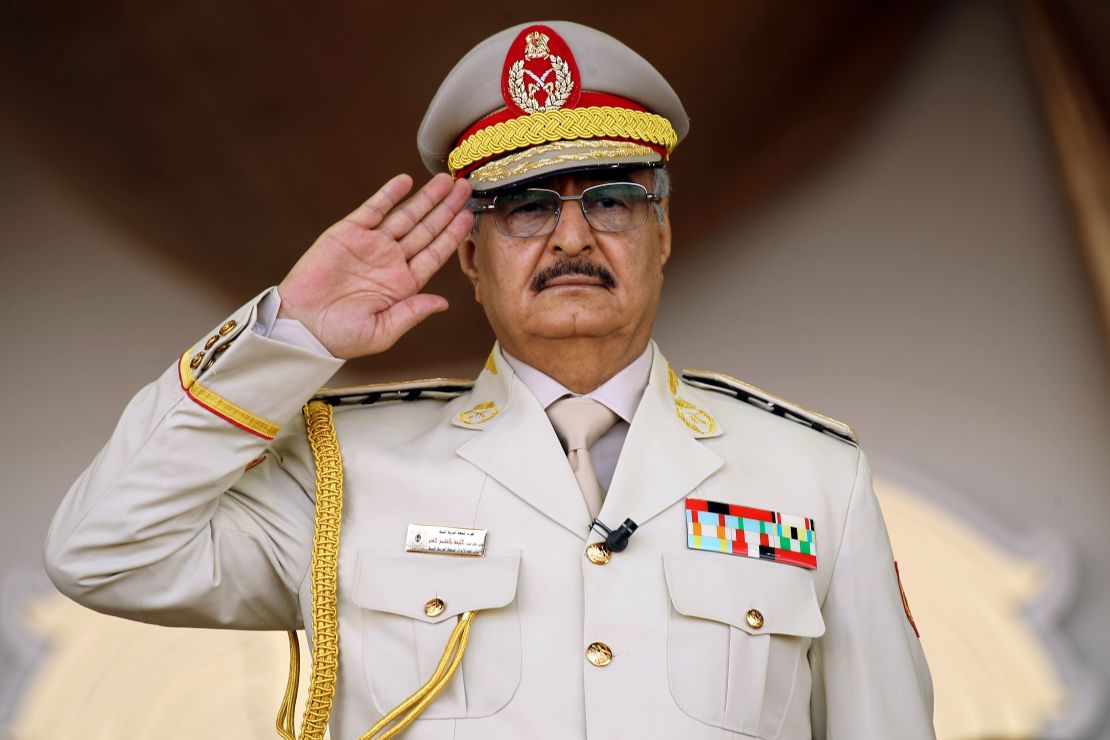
[{"x": 491, "y": 207}]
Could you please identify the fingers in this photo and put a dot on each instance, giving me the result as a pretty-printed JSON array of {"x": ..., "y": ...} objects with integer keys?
[
  {"x": 404, "y": 315},
  {"x": 436, "y": 220},
  {"x": 428, "y": 260},
  {"x": 408, "y": 216},
  {"x": 371, "y": 213}
]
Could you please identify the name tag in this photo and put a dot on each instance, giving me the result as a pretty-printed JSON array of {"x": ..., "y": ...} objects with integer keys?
[{"x": 445, "y": 540}]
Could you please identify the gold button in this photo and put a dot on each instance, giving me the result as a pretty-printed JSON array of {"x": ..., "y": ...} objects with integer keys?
[
  {"x": 211, "y": 340},
  {"x": 434, "y": 607},
  {"x": 755, "y": 619},
  {"x": 599, "y": 553},
  {"x": 599, "y": 654},
  {"x": 228, "y": 327},
  {"x": 197, "y": 359},
  {"x": 221, "y": 348}
]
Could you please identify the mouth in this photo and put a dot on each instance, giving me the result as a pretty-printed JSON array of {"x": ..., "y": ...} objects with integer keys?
[
  {"x": 574, "y": 281},
  {"x": 573, "y": 273}
]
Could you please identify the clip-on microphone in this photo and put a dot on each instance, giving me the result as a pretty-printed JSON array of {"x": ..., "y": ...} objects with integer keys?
[{"x": 616, "y": 539}]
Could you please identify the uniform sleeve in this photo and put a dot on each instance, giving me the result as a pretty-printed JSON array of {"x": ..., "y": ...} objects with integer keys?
[
  {"x": 168, "y": 525},
  {"x": 870, "y": 678}
]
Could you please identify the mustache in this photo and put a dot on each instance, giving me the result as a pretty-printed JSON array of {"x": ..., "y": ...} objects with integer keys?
[{"x": 572, "y": 266}]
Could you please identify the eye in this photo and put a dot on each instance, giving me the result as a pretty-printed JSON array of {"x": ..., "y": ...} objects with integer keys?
[
  {"x": 524, "y": 208},
  {"x": 528, "y": 204},
  {"x": 614, "y": 197},
  {"x": 609, "y": 202}
]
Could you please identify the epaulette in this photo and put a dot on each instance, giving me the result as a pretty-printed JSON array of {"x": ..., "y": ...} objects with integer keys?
[
  {"x": 768, "y": 402},
  {"x": 408, "y": 390}
]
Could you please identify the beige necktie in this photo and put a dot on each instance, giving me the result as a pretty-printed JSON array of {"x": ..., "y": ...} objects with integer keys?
[{"x": 579, "y": 422}]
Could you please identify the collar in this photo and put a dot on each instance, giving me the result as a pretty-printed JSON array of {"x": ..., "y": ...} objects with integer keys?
[
  {"x": 621, "y": 393},
  {"x": 498, "y": 389}
]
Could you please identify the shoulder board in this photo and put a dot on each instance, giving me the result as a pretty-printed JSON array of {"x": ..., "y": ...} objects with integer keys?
[
  {"x": 768, "y": 402},
  {"x": 408, "y": 390}
]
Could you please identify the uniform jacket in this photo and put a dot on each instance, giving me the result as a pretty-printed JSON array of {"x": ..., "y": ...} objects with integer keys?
[{"x": 199, "y": 512}]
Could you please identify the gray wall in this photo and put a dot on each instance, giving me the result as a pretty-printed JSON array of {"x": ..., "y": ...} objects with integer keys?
[{"x": 89, "y": 317}]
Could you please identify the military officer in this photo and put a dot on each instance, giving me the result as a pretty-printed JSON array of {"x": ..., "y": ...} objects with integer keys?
[{"x": 614, "y": 548}]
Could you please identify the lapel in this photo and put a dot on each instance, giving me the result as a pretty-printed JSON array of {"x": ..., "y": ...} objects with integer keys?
[
  {"x": 662, "y": 460},
  {"x": 515, "y": 445}
]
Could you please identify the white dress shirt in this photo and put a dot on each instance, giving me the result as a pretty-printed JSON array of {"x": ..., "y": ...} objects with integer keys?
[
  {"x": 621, "y": 394},
  {"x": 289, "y": 331}
]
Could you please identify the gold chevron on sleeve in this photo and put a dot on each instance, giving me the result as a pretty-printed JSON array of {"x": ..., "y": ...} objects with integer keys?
[{"x": 222, "y": 407}]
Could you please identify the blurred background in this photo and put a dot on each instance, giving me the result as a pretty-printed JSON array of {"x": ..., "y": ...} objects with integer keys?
[{"x": 897, "y": 214}]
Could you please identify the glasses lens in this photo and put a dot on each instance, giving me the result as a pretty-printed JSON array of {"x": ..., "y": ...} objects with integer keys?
[
  {"x": 526, "y": 213},
  {"x": 615, "y": 206}
]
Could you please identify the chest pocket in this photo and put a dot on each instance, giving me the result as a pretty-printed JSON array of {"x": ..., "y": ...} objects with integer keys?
[
  {"x": 410, "y": 604},
  {"x": 738, "y": 636}
]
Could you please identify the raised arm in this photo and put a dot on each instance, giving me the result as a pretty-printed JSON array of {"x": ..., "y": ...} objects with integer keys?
[{"x": 198, "y": 511}]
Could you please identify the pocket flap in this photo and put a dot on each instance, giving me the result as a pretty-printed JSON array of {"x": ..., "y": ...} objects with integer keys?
[
  {"x": 404, "y": 583},
  {"x": 724, "y": 588}
]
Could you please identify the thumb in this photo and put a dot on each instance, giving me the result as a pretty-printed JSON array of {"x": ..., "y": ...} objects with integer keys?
[{"x": 402, "y": 316}]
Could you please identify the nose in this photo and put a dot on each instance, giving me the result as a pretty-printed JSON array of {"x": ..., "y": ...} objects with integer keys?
[{"x": 572, "y": 235}]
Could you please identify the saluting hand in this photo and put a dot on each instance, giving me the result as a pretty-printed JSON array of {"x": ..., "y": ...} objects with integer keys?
[{"x": 357, "y": 288}]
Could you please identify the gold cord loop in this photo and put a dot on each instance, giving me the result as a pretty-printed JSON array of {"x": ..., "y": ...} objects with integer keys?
[
  {"x": 289, "y": 701},
  {"x": 422, "y": 697}
]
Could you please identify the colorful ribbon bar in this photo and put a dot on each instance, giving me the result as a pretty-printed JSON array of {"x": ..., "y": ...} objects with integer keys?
[{"x": 755, "y": 533}]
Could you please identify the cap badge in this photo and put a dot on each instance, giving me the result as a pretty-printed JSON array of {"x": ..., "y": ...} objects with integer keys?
[{"x": 540, "y": 72}]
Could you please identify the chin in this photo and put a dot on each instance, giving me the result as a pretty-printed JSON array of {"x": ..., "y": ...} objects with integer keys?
[{"x": 575, "y": 324}]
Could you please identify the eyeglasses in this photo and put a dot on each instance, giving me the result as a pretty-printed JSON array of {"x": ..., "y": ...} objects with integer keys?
[{"x": 611, "y": 206}]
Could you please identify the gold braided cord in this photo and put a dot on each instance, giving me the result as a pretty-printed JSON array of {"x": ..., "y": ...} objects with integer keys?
[
  {"x": 324, "y": 579},
  {"x": 422, "y": 697},
  {"x": 557, "y": 125}
]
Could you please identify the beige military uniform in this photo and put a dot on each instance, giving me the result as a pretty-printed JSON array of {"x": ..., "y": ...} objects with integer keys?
[{"x": 168, "y": 525}]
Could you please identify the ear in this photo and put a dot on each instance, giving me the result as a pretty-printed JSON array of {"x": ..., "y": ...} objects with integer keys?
[
  {"x": 664, "y": 231},
  {"x": 468, "y": 262}
]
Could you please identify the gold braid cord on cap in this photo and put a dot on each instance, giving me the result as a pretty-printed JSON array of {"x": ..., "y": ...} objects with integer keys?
[
  {"x": 324, "y": 578},
  {"x": 557, "y": 125}
]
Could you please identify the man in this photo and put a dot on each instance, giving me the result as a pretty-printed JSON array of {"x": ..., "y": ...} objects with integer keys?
[{"x": 621, "y": 551}]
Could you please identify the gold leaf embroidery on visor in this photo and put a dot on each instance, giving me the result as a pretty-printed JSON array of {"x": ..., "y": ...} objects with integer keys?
[{"x": 533, "y": 159}]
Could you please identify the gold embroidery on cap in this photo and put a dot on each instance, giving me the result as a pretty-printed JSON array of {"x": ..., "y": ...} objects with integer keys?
[
  {"x": 512, "y": 165},
  {"x": 491, "y": 364},
  {"x": 597, "y": 122},
  {"x": 479, "y": 413},
  {"x": 558, "y": 90},
  {"x": 697, "y": 419}
]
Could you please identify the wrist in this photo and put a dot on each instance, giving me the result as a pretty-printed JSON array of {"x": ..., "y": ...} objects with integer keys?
[{"x": 283, "y": 311}]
